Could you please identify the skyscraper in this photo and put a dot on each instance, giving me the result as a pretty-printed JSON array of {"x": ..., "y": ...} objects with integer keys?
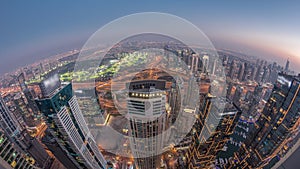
[
  {"x": 21, "y": 81},
  {"x": 19, "y": 135},
  {"x": 147, "y": 121},
  {"x": 214, "y": 67},
  {"x": 237, "y": 95},
  {"x": 30, "y": 96},
  {"x": 211, "y": 131},
  {"x": 241, "y": 74},
  {"x": 195, "y": 60},
  {"x": 277, "y": 125},
  {"x": 205, "y": 63},
  {"x": 12, "y": 157},
  {"x": 22, "y": 109},
  {"x": 49, "y": 85},
  {"x": 258, "y": 74},
  {"x": 8, "y": 121},
  {"x": 68, "y": 130},
  {"x": 90, "y": 106},
  {"x": 253, "y": 72},
  {"x": 174, "y": 101},
  {"x": 232, "y": 69},
  {"x": 266, "y": 75},
  {"x": 287, "y": 65}
]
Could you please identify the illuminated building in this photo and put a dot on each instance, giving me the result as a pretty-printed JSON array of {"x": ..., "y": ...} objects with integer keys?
[
  {"x": 21, "y": 137},
  {"x": 8, "y": 121},
  {"x": 69, "y": 137},
  {"x": 22, "y": 109},
  {"x": 211, "y": 131},
  {"x": 275, "y": 128},
  {"x": 147, "y": 120},
  {"x": 11, "y": 157},
  {"x": 29, "y": 95}
]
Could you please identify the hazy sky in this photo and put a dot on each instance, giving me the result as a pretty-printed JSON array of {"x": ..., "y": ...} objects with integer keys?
[{"x": 36, "y": 29}]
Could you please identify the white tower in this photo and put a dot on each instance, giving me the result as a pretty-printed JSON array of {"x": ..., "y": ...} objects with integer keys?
[
  {"x": 205, "y": 62},
  {"x": 147, "y": 121}
]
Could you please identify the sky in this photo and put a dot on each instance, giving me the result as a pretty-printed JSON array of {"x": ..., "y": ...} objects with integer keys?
[{"x": 32, "y": 30}]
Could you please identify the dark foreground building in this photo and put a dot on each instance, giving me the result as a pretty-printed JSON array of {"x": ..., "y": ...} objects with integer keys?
[
  {"x": 274, "y": 132},
  {"x": 215, "y": 123}
]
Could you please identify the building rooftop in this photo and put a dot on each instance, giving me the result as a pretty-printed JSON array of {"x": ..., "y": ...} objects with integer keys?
[{"x": 146, "y": 85}]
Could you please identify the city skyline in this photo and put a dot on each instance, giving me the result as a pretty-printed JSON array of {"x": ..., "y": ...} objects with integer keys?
[
  {"x": 167, "y": 116},
  {"x": 36, "y": 31},
  {"x": 153, "y": 85}
]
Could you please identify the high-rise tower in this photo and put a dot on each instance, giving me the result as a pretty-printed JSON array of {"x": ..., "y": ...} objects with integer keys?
[
  {"x": 11, "y": 157},
  {"x": 147, "y": 120},
  {"x": 231, "y": 72},
  {"x": 287, "y": 65},
  {"x": 272, "y": 135},
  {"x": 19, "y": 135},
  {"x": 242, "y": 73},
  {"x": 195, "y": 63},
  {"x": 73, "y": 143},
  {"x": 211, "y": 131},
  {"x": 205, "y": 63}
]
